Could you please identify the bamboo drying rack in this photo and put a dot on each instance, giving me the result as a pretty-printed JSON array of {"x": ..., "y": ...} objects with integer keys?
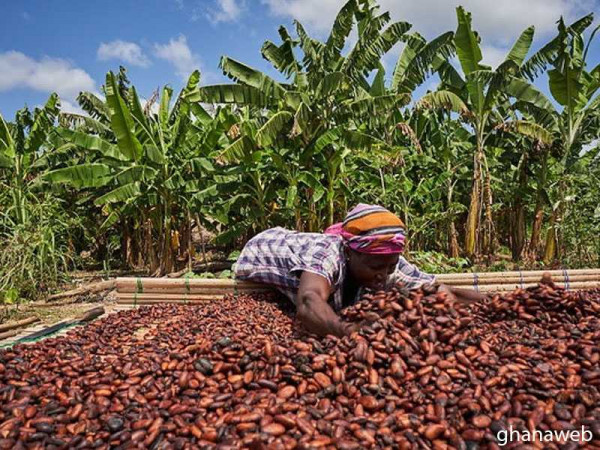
[{"x": 149, "y": 291}]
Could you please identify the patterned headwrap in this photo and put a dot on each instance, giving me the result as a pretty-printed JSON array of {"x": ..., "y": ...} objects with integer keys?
[{"x": 371, "y": 229}]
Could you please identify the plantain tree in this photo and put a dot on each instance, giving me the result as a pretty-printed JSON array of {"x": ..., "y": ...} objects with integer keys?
[
  {"x": 22, "y": 144},
  {"x": 36, "y": 230},
  {"x": 144, "y": 170},
  {"x": 572, "y": 126},
  {"x": 316, "y": 113},
  {"x": 397, "y": 132},
  {"x": 477, "y": 97}
]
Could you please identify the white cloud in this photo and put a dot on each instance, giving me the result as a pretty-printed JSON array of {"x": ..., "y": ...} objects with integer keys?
[
  {"x": 45, "y": 75},
  {"x": 501, "y": 24},
  {"x": 70, "y": 107},
  {"x": 220, "y": 11},
  {"x": 493, "y": 56},
  {"x": 318, "y": 15},
  {"x": 178, "y": 53},
  {"x": 223, "y": 11},
  {"x": 129, "y": 52}
]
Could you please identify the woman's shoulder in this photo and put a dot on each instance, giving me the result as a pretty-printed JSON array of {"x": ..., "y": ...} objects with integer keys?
[
  {"x": 297, "y": 241},
  {"x": 307, "y": 236}
]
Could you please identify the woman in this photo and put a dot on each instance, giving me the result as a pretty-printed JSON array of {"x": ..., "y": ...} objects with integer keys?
[{"x": 321, "y": 273}]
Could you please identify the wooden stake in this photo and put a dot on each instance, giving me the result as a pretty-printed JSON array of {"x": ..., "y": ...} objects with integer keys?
[
  {"x": 88, "y": 289},
  {"x": 19, "y": 324}
]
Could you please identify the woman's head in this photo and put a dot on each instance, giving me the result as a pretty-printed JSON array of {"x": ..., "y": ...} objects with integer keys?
[
  {"x": 370, "y": 270},
  {"x": 373, "y": 239}
]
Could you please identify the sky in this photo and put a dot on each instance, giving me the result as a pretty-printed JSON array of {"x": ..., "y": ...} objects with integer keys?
[{"x": 67, "y": 46}]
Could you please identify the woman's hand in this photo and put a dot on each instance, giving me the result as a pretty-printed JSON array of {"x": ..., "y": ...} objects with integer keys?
[
  {"x": 313, "y": 310},
  {"x": 547, "y": 279},
  {"x": 448, "y": 291},
  {"x": 461, "y": 297},
  {"x": 347, "y": 328}
]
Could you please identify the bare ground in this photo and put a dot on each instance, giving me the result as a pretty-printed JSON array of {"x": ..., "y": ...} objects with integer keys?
[{"x": 51, "y": 313}]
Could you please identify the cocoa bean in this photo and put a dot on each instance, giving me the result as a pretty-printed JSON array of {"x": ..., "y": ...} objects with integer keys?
[{"x": 239, "y": 374}]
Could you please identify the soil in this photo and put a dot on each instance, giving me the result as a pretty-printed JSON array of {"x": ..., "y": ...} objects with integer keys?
[{"x": 49, "y": 313}]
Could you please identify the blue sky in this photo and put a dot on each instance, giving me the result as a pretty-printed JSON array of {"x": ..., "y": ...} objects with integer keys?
[{"x": 68, "y": 46}]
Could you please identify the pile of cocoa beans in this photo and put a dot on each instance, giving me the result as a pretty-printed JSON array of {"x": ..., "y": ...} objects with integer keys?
[{"x": 421, "y": 373}]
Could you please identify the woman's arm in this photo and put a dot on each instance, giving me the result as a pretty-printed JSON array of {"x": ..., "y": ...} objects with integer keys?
[
  {"x": 466, "y": 296},
  {"x": 313, "y": 310},
  {"x": 460, "y": 295}
]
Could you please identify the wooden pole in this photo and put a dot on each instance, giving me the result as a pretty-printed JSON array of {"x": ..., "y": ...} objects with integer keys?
[
  {"x": 512, "y": 287},
  {"x": 516, "y": 280},
  {"x": 189, "y": 290},
  {"x": 9, "y": 334},
  {"x": 179, "y": 300},
  {"x": 166, "y": 298},
  {"x": 90, "y": 288},
  {"x": 540, "y": 273},
  {"x": 165, "y": 290},
  {"x": 143, "y": 284},
  {"x": 19, "y": 324}
]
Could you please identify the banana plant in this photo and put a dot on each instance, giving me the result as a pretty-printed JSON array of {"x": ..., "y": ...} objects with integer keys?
[
  {"x": 315, "y": 112},
  {"x": 140, "y": 174},
  {"x": 447, "y": 143},
  {"x": 477, "y": 96},
  {"x": 574, "y": 124},
  {"x": 22, "y": 143}
]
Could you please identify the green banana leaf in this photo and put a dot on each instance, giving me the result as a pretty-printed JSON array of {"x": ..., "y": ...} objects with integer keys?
[
  {"x": 269, "y": 132},
  {"x": 81, "y": 176},
  {"x": 121, "y": 121},
  {"x": 91, "y": 142},
  {"x": 119, "y": 195},
  {"x": 521, "y": 47},
  {"x": 467, "y": 45},
  {"x": 231, "y": 93}
]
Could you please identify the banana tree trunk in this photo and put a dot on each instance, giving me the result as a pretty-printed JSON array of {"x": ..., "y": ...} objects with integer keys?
[
  {"x": 489, "y": 235},
  {"x": 536, "y": 231},
  {"x": 538, "y": 218},
  {"x": 17, "y": 195},
  {"x": 297, "y": 205},
  {"x": 260, "y": 201},
  {"x": 150, "y": 249},
  {"x": 165, "y": 252},
  {"x": 518, "y": 214},
  {"x": 126, "y": 243},
  {"x": 550, "y": 250},
  {"x": 330, "y": 198},
  {"x": 330, "y": 207},
  {"x": 18, "y": 192},
  {"x": 188, "y": 240},
  {"x": 453, "y": 247},
  {"x": 202, "y": 243},
  {"x": 312, "y": 211},
  {"x": 472, "y": 225},
  {"x": 166, "y": 257},
  {"x": 138, "y": 244},
  {"x": 298, "y": 215},
  {"x": 518, "y": 230}
]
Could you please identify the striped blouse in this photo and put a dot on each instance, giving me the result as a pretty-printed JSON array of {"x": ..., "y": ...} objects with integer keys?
[{"x": 278, "y": 257}]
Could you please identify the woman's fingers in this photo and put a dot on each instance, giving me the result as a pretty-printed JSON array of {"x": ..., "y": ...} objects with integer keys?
[
  {"x": 371, "y": 317},
  {"x": 547, "y": 278},
  {"x": 350, "y": 327}
]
